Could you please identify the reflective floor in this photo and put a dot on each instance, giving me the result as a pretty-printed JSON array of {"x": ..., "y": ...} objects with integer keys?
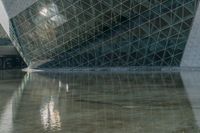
[{"x": 99, "y": 103}]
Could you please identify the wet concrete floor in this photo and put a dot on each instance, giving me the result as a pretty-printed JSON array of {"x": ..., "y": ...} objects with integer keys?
[{"x": 151, "y": 102}]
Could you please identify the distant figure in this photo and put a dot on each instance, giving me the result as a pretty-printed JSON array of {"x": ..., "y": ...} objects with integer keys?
[
  {"x": 59, "y": 86},
  {"x": 66, "y": 86}
]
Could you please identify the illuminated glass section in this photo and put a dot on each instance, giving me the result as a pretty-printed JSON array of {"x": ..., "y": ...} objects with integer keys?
[{"x": 103, "y": 33}]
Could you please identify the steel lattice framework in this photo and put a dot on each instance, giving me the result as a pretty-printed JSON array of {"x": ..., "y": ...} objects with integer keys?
[{"x": 103, "y": 33}]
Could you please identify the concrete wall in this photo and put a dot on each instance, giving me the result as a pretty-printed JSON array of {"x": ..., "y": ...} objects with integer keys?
[
  {"x": 191, "y": 82},
  {"x": 191, "y": 56},
  {"x": 4, "y": 19},
  {"x": 10, "y": 8},
  {"x": 14, "y": 7}
]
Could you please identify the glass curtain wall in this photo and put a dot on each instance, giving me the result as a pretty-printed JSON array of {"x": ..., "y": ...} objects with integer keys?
[{"x": 103, "y": 33}]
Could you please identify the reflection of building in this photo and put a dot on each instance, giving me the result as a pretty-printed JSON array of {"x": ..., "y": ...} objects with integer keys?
[
  {"x": 100, "y": 103},
  {"x": 104, "y": 102},
  {"x": 50, "y": 116},
  {"x": 9, "y": 80},
  {"x": 102, "y": 33}
]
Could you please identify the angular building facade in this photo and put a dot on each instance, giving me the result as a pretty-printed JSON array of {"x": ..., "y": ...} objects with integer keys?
[{"x": 103, "y": 33}]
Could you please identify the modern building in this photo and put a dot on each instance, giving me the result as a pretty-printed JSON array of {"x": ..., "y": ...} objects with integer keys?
[
  {"x": 9, "y": 57},
  {"x": 104, "y": 33}
]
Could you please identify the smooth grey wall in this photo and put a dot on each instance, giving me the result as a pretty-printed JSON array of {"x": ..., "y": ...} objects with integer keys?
[
  {"x": 10, "y": 8},
  {"x": 4, "y": 19},
  {"x": 191, "y": 82},
  {"x": 14, "y": 7},
  {"x": 191, "y": 56}
]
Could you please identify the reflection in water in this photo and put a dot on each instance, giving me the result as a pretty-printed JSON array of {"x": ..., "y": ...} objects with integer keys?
[
  {"x": 101, "y": 103},
  {"x": 6, "y": 123},
  {"x": 7, "y": 80},
  {"x": 50, "y": 116},
  {"x": 67, "y": 87}
]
